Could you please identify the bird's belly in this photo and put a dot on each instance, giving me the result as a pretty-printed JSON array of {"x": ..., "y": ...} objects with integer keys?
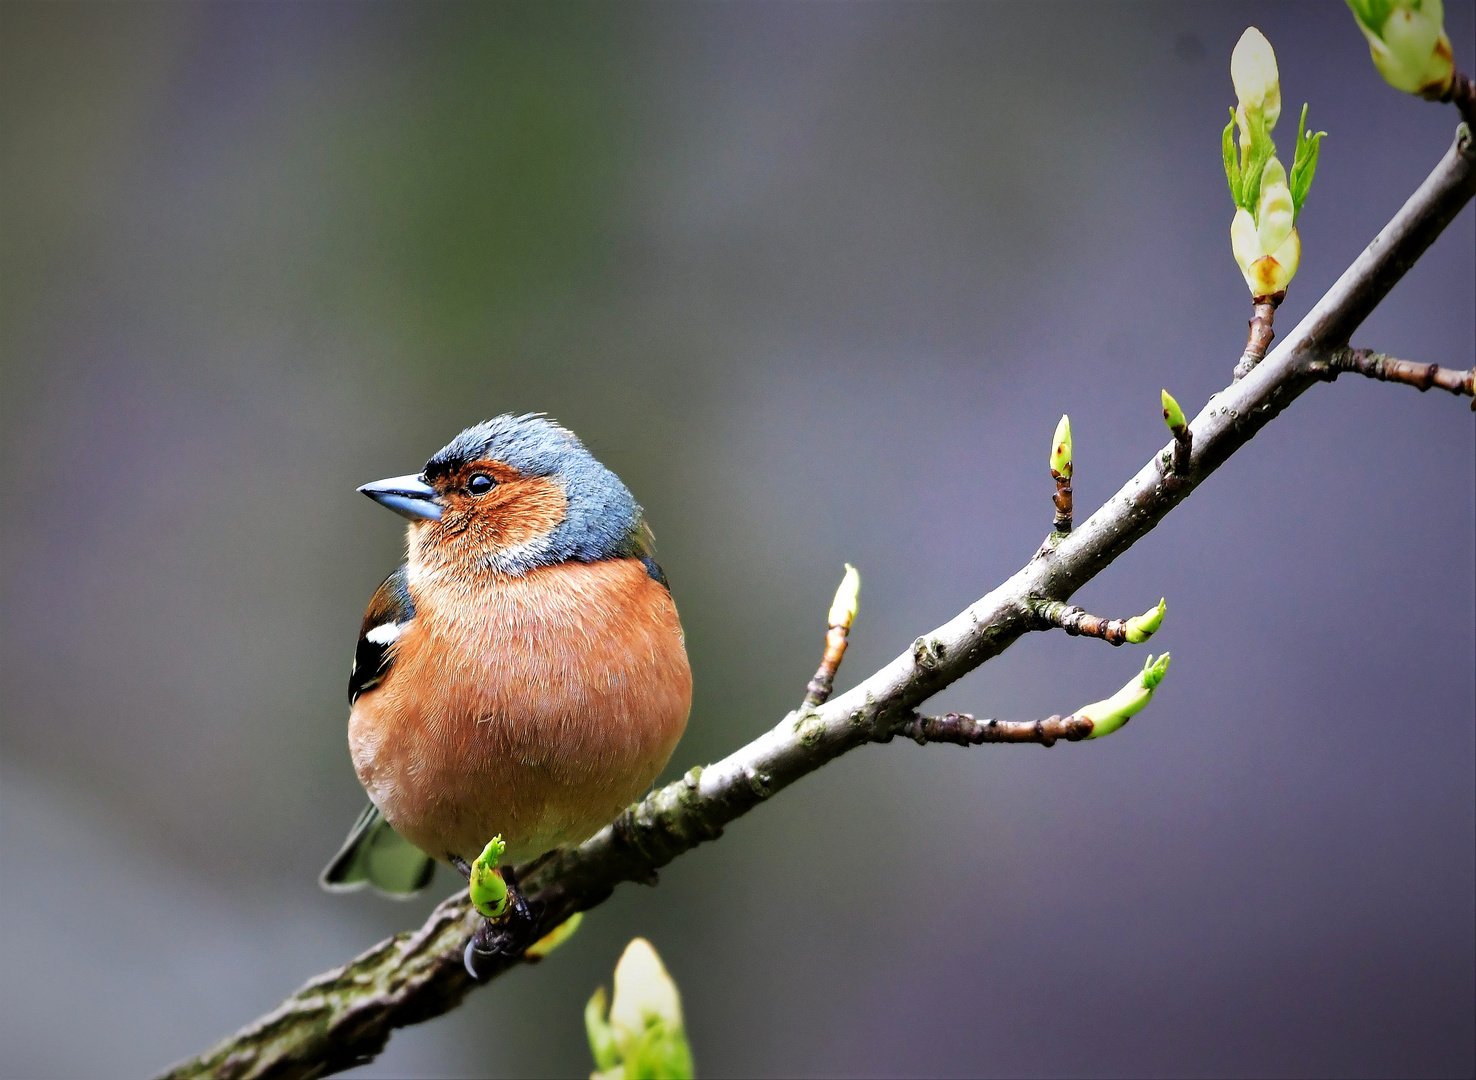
[{"x": 536, "y": 713}]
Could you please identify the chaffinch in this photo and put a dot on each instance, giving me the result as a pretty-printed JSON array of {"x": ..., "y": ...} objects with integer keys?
[{"x": 522, "y": 674}]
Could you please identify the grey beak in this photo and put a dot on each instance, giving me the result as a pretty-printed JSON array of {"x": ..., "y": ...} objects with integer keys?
[{"x": 408, "y": 496}]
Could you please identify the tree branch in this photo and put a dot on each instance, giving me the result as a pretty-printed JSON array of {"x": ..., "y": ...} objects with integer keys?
[
  {"x": 1377, "y": 365},
  {"x": 344, "y": 1017}
]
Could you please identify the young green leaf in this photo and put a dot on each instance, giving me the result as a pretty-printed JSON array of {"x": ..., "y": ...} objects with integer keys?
[
  {"x": 1262, "y": 149},
  {"x": 1232, "y": 166},
  {"x": 601, "y": 1036},
  {"x": 1304, "y": 164},
  {"x": 1371, "y": 13}
]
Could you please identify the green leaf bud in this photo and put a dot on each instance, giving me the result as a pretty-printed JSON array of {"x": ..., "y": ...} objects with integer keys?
[
  {"x": 1142, "y": 627},
  {"x": 1109, "y": 715},
  {"x": 1173, "y": 416},
  {"x": 847, "y": 599},
  {"x": 1061, "y": 449},
  {"x": 1406, "y": 39},
  {"x": 488, "y": 890}
]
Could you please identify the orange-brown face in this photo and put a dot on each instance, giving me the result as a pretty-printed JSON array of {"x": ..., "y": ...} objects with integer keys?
[{"x": 487, "y": 509}]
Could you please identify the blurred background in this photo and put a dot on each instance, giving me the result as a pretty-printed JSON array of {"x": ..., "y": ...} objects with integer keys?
[{"x": 816, "y": 280}]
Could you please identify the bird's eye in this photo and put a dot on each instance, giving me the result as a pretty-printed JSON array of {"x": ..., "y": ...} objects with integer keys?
[{"x": 480, "y": 484}]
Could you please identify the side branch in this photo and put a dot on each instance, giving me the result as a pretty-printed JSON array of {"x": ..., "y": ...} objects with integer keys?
[
  {"x": 344, "y": 1017},
  {"x": 1079, "y": 623},
  {"x": 842, "y": 614},
  {"x": 961, "y": 729},
  {"x": 1377, "y": 365}
]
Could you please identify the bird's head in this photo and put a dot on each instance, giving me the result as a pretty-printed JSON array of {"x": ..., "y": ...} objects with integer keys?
[{"x": 509, "y": 495}]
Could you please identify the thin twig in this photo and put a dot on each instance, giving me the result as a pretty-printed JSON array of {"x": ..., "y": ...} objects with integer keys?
[
  {"x": 1183, "y": 449},
  {"x": 819, "y": 688},
  {"x": 1079, "y": 623},
  {"x": 1385, "y": 368},
  {"x": 1062, "y": 499},
  {"x": 345, "y": 1016},
  {"x": 1261, "y": 332},
  {"x": 961, "y": 729},
  {"x": 1462, "y": 93}
]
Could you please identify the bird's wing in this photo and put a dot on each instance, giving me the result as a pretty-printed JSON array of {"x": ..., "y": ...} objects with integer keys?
[
  {"x": 389, "y": 614},
  {"x": 645, "y": 551},
  {"x": 374, "y": 854}
]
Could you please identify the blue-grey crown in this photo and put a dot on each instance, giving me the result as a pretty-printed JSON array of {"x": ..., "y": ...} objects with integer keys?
[{"x": 603, "y": 520}]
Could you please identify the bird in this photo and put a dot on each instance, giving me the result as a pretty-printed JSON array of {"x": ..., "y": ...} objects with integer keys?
[{"x": 522, "y": 674}]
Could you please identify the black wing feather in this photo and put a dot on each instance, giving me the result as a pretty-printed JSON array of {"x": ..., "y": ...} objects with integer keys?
[{"x": 389, "y": 613}]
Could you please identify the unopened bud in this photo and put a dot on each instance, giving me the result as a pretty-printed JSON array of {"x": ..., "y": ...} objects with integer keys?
[
  {"x": 643, "y": 1035},
  {"x": 847, "y": 599},
  {"x": 1173, "y": 416},
  {"x": 487, "y": 889},
  {"x": 1265, "y": 272},
  {"x": 1109, "y": 715},
  {"x": 1263, "y": 233},
  {"x": 1407, "y": 41},
  {"x": 643, "y": 989},
  {"x": 1142, "y": 627},
  {"x": 1257, "y": 82},
  {"x": 1061, "y": 450}
]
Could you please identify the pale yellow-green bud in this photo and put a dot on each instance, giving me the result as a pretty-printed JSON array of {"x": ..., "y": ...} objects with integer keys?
[
  {"x": 1142, "y": 627},
  {"x": 1265, "y": 272},
  {"x": 643, "y": 989},
  {"x": 1061, "y": 449},
  {"x": 1407, "y": 41},
  {"x": 1257, "y": 83},
  {"x": 487, "y": 889},
  {"x": 1173, "y": 416},
  {"x": 643, "y": 1035},
  {"x": 847, "y": 599},
  {"x": 1109, "y": 715}
]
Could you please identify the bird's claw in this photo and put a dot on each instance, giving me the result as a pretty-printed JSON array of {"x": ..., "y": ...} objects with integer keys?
[
  {"x": 493, "y": 942},
  {"x": 508, "y": 937}
]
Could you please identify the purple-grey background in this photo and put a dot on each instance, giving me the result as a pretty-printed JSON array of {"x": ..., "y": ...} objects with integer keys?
[{"x": 817, "y": 281}]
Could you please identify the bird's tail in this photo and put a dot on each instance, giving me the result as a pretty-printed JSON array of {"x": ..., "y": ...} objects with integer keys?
[{"x": 374, "y": 854}]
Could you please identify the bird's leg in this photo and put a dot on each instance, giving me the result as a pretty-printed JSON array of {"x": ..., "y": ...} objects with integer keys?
[
  {"x": 508, "y": 936},
  {"x": 460, "y": 864}
]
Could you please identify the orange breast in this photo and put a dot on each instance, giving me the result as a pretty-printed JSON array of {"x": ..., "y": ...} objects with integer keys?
[{"x": 534, "y": 707}]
